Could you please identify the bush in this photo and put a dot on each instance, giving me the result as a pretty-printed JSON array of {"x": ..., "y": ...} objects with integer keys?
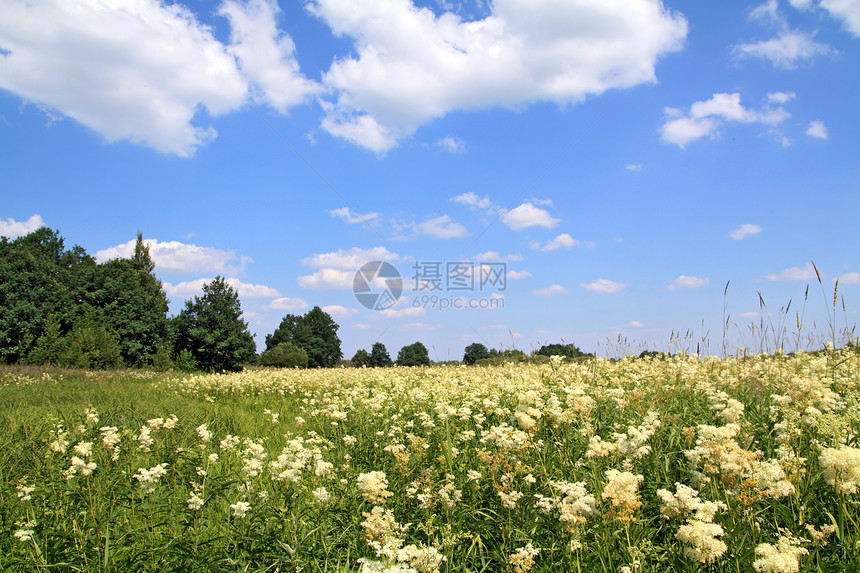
[
  {"x": 285, "y": 355},
  {"x": 92, "y": 347}
]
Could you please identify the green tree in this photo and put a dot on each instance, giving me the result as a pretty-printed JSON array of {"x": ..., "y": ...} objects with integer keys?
[
  {"x": 566, "y": 350},
  {"x": 474, "y": 352},
  {"x": 315, "y": 332},
  {"x": 38, "y": 279},
  {"x": 360, "y": 358},
  {"x": 211, "y": 328},
  {"x": 379, "y": 356},
  {"x": 284, "y": 355},
  {"x": 413, "y": 355}
]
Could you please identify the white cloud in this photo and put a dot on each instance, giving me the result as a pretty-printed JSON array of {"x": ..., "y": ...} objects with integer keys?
[
  {"x": 562, "y": 240},
  {"x": 287, "y": 303},
  {"x": 786, "y": 50},
  {"x": 551, "y": 290},
  {"x": 472, "y": 200},
  {"x": 803, "y": 273},
  {"x": 745, "y": 230},
  {"x": 634, "y": 167},
  {"x": 421, "y": 326},
  {"x": 748, "y": 315},
  {"x": 265, "y": 55},
  {"x": 140, "y": 70},
  {"x": 361, "y": 326},
  {"x": 634, "y": 324},
  {"x": 705, "y": 117},
  {"x": 846, "y": 10},
  {"x": 340, "y": 312},
  {"x": 527, "y": 215},
  {"x": 452, "y": 144},
  {"x": 350, "y": 259},
  {"x": 603, "y": 286},
  {"x": 351, "y": 216},
  {"x": 180, "y": 257},
  {"x": 409, "y": 312},
  {"x": 10, "y": 228},
  {"x": 327, "y": 279},
  {"x": 441, "y": 227},
  {"x": 684, "y": 281},
  {"x": 410, "y": 66},
  {"x": 517, "y": 275},
  {"x": 188, "y": 289},
  {"x": 817, "y": 129},
  {"x": 850, "y": 279}
]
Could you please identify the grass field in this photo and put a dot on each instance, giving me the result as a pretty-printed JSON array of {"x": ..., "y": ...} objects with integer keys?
[{"x": 679, "y": 464}]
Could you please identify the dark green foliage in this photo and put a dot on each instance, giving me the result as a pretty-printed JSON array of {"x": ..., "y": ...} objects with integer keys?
[
  {"x": 413, "y": 355},
  {"x": 379, "y": 356},
  {"x": 285, "y": 355},
  {"x": 474, "y": 352},
  {"x": 93, "y": 347},
  {"x": 566, "y": 350},
  {"x": 361, "y": 358},
  {"x": 211, "y": 328},
  {"x": 315, "y": 332}
]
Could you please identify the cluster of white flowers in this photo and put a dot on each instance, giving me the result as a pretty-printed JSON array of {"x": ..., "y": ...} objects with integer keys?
[
  {"x": 25, "y": 531},
  {"x": 622, "y": 490},
  {"x": 841, "y": 468},
  {"x": 374, "y": 487},
  {"x": 25, "y": 491},
  {"x": 784, "y": 557},
  {"x": 148, "y": 478},
  {"x": 203, "y": 433},
  {"x": 523, "y": 559},
  {"x": 80, "y": 467}
]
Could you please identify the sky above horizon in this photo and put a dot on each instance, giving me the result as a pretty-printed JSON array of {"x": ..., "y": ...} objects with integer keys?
[{"x": 575, "y": 170}]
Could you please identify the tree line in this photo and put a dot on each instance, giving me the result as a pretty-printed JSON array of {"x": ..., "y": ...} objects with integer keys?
[{"x": 59, "y": 306}]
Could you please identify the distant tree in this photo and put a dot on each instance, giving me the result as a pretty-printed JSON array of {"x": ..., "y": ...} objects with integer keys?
[
  {"x": 38, "y": 279},
  {"x": 315, "y": 332},
  {"x": 379, "y": 356},
  {"x": 285, "y": 355},
  {"x": 413, "y": 355},
  {"x": 360, "y": 358},
  {"x": 474, "y": 352},
  {"x": 566, "y": 350},
  {"x": 92, "y": 346},
  {"x": 211, "y": 328}
]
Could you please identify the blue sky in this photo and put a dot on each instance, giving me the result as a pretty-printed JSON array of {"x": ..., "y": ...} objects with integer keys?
[{"x": 623, "y": 160}]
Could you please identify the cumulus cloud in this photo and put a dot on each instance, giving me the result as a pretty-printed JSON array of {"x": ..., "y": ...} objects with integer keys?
[
  {"x": 850, "y": 279},
  {"x": 10, "y": 228},
  {"x": 442, "y": 227},
  {"x": 551, "y": 290},
  {"x": 705, "y": 117},
  {"x": 562, "y": 240},
  {"x": 745, "y": 230},
  {"x": 287, "y": 303},
  {"x": 451, "y": 144},
  {"x": 684, "y": 281},
  {"x": 636, "y": 167},
  {"x": 180, "y": 257},
  {"x": 517, "y": 275},
  {"x": 140, "y": 70},
  {"x": 786, "y": 50},
  {"x": 411, "y": 66},
  {"x": 527, "y": 215},
  {"x": 817, "y": 129},
  {"x": 188, "y": 289},
  {"x": 351, "y": 216},
  {"x": 327, "y": 279},
  {"x": 846, "y": 10},
  {"x": 634, "y": 324},
  {"x": 603, "y": 286},
  {"x": 350, "y": 259},
  {"x": 804, "y": 273},
  {"x": 340, "y": 312},
  {"x": 473, "y": 200},
  {"x": 409, "y": 312}
]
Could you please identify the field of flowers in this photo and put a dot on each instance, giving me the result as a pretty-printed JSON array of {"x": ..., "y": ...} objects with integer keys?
[{"x": 677, "y": 464}]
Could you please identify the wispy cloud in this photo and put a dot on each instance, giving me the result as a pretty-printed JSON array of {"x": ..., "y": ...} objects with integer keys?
[
  {"x": 745, "y": 230},
  {"x": 527, "y": 215},
  {"x": 804, "y": 273},
  {"x": 684, "y": 281},
  {"x": 603, "y": 286},
  {"x": 551, "y": 290}
]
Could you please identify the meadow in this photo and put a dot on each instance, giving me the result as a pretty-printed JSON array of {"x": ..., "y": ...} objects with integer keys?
[{"x": 684, "y": 463}]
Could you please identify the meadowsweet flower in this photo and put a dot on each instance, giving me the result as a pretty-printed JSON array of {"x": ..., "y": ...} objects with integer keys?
[
  {"x": 81, "y": 467},
  {"x": 575, "y": 505},
  {"x": 597, "y": 448},
  {"x": 784, "y": 557},
  {"x": 321, "y": 495},
  {"x": 195, "y": 502},
  {"x": 144, "y": 438},
  {"x": 841, "y": 468},
  {"x": 349, "y": 440},
  {"x": 155, "y": 424},
  {"x": 374, "y": 487},
  {"x": 523, "y": 559},
  {"x": 213, "y": 458},
  {"x": 24, "y": 492},
  {"x": 229, "y": 443},
  {"x": 147, "y": 478},
  {"x": 92, "y": 417},
  {"x": 24, "y": 535},
  {"x": 240, "y": 509},
  {"x": 170, "y": 422},
  {"x": 204, "y": 433},
  {"x": 472, "y": 475},
  {"x": 622, "y": 490},
  {"x": 509, "y": 500},
  {"x": 701, "y": 539},
  {"x": 84, "y": 449}
]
